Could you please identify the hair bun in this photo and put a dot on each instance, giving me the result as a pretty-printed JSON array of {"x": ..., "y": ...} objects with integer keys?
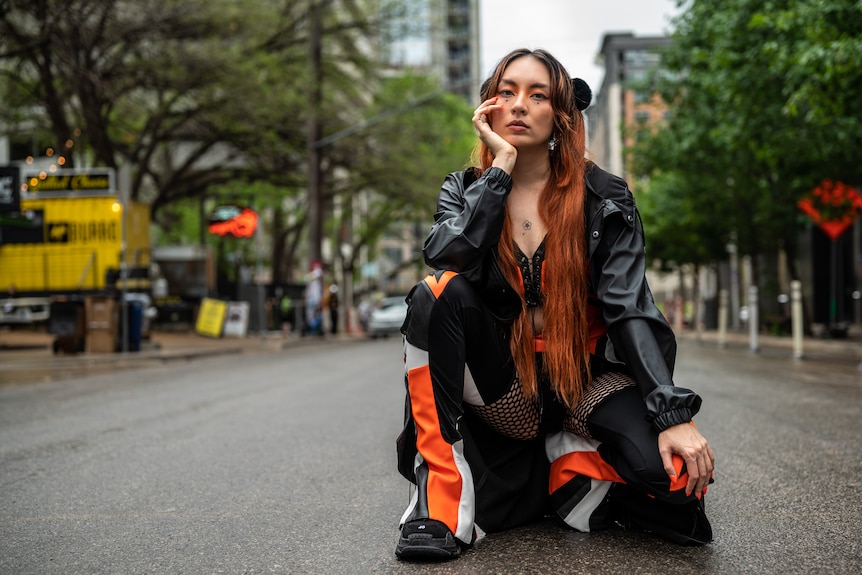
[{"x": 583, "y": 94}]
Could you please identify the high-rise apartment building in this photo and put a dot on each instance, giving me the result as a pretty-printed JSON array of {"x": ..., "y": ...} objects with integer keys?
[{"x": 442, "y": 38}]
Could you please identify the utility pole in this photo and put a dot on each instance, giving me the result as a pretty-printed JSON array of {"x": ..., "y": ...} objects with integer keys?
[
  {"x": 315, "y": 143},
  {"x": 315, "y": 196}
]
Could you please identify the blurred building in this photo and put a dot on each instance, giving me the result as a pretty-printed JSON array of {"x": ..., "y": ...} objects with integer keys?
[
  {"x": 620, "y": 105},
  {"x": 440, "y": 37},
  {"x": 460, "y": 48}
]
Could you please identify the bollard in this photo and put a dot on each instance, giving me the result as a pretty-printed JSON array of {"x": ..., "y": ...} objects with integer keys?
[
  {"x": 752, "y": 319},
  {"x": 722, "y": 318},
  {"x": 796, "y": 317}
]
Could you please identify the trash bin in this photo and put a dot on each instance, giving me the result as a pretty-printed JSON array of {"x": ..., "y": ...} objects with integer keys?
[
  {"x": 67, "y": 324},
  {"x": 147, "y": 312},
  {"x": 135, "y": 316}
]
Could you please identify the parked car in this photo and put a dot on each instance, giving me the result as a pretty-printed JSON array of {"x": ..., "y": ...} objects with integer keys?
[{"x": 387, "y": 318}]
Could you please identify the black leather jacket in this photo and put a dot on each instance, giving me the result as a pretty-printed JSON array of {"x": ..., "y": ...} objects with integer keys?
[{"x": 467, "y": 226}]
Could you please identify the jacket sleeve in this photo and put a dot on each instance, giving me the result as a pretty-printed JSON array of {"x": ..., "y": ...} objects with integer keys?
[
  {"x": 640, "y": 336},
  {"x": 468, "y": 221}
]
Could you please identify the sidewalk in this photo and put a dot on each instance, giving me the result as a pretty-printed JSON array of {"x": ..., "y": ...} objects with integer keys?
[
  {"x": 847, "y": 349},
  {"x": 23, "y": 350}
]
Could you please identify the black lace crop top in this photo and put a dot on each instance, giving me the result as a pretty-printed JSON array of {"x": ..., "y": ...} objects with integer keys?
[{"x": 531, "y": 275}]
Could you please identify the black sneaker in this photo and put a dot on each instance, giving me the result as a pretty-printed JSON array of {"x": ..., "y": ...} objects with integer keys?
[
  {"x": 427, "y": 540},
  {"x": 685, "y": 524}
]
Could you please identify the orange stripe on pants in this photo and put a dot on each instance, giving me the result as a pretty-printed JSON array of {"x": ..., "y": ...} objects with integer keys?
[
  {"x": 681, "y": 480},
  {"x": 444, "y": 480},
  {"x": 588, "y": 463},
  {"x": 591, "y": 464}
]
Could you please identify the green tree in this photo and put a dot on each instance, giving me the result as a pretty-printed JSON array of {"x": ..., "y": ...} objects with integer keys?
[
  {"x": 397, "y": 164},
  {"x": 341, "y": 91},
  {"x": 682, "y": 227},
  {"x": 760, "y": 94},
  {"x": 150, "y": 84},
  {"x": 816, "y": 46},
  {"x": 211, "y": 100}
]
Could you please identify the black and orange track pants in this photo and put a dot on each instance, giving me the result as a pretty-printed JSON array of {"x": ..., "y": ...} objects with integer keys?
[{"x": 465, "y": 473}]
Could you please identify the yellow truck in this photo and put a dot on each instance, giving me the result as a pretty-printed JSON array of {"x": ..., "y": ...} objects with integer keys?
[{"x": 66, "y": 239}]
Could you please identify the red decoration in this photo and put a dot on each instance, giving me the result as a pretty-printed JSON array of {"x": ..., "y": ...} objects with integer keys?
[
  {"x": 833, "y": 207},
  {"x": 241, "y": 226}
]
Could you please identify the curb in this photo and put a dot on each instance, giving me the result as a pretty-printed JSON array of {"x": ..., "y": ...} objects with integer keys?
[
  {"x": 21, "y": 352},
  {"x": 26, "y": 352},
  {"x": 849, "y": 350}
]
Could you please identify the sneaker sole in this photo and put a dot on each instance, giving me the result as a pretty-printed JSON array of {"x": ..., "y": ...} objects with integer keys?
[{"x": 419, "y": 546}]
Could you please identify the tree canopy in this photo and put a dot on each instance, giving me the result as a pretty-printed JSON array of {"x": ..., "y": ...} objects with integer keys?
[
  {"x": 212, "y": 99},
  {"x": 764, "y": 105},
  {"x": 149, "y": 84}
]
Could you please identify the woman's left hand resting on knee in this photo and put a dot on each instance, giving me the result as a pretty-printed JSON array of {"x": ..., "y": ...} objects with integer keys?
[{"x": 687, "y": 442}]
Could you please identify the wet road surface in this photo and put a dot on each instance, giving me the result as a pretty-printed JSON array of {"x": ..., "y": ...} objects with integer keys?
[{"x": 285, "y": 463}]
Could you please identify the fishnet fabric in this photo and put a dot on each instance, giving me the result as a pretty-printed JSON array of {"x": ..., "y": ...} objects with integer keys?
[
  {"x": 597, "y": 391},
  {"x": 513, "y": 415}
]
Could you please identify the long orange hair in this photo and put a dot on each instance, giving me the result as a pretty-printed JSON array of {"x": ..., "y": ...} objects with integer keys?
[{"x": 564, "y": 278}]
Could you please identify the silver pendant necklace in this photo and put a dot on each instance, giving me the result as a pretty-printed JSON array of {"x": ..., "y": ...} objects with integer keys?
[{"x": 527, "y": 225}]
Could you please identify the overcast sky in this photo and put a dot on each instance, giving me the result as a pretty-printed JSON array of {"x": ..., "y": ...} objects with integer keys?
[{"x": 571, "y": 30}]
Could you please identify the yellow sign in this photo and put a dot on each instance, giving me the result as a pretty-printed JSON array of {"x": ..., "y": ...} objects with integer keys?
[
  {"x": 94, "y": 181},
  {"x": 211, "y": 317},
  {"x": 93, "y": 231}
]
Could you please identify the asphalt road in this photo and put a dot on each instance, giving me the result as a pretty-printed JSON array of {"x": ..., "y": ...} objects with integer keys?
[{"x": 284, "y": 463}]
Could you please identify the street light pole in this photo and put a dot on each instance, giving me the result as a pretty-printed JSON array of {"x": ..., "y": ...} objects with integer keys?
[{"x": 315, "y": 143}]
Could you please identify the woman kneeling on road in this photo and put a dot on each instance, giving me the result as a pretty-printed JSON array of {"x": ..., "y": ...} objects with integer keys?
[{"x": 538, "y": 368}]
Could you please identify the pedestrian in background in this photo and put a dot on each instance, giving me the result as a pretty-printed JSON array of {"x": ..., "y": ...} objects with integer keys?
[
  {"x": 314, "y": 300},
  {"x": 538, "y": 368}
]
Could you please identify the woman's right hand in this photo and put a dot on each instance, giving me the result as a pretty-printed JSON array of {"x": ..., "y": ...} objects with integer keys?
[
  {"x": 686, "y": 441},
  {"x": 504, "y": 153}
]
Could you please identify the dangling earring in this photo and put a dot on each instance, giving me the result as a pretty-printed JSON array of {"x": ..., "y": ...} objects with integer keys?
[{"x": 552, "y": 143}]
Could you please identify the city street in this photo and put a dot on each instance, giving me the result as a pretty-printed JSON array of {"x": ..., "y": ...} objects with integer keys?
[{"x": 284, "y": 462}]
